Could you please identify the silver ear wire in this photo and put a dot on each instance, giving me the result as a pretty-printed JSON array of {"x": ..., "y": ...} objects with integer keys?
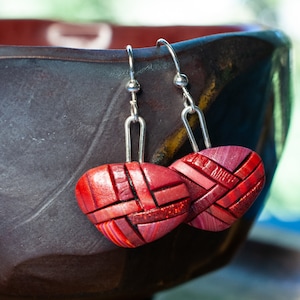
[
  {"x": 133, "y": 87},
  {"x": 181, "y": 80}
]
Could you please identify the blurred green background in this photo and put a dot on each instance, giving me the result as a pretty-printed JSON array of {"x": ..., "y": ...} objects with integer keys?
[{"x": 283, "y": 203}]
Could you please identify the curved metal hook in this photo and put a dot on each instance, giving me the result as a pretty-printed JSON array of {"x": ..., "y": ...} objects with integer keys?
[
  {"x": 162, "y": 41},
  {"x": 132, "y": 85},
  {"x": 130, "y": 56},
  {"x": 180, "y": 80}
]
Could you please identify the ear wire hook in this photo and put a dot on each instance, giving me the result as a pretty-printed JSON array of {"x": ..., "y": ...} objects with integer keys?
[
  {"x": 133, "y": 87},
  {"x": 181, "y": 80}
]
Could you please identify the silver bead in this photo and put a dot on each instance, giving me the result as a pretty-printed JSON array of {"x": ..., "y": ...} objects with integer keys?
[
  {"x": 133, "y": 86},
  {"x": 180, "y": 80}
]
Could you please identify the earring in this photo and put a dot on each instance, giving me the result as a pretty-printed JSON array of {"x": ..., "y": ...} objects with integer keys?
[
  {"x": 133, "y": 203},
  {"x": 223, "y": 181}
]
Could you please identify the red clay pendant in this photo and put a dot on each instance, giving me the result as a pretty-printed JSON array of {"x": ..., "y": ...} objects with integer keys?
[
  {"x": 133, "y": 203},
  {"x": 223, "y": 183}
]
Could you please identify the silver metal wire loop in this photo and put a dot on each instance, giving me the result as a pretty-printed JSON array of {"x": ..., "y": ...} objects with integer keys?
[
  {"x": 181, "y": 80},
  {"x": 184, "y": 116},
  {"x": 133, "y": 87},
  {"x": 142, "y": 137}
]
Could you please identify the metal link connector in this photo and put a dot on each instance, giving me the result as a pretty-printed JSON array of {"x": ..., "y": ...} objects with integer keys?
[
  {"x": 181, "y": 80},
  {"x": 133, "y": 87}
]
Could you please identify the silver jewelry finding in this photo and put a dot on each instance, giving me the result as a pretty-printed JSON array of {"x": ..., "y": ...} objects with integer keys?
[
  {"x": 181, "y": 80},
  {"x": 133, "y": 87}
]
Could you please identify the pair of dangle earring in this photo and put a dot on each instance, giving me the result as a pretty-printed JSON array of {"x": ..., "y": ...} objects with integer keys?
[
  {"x": 133, "y": 203},
  {"x": 223, "y": 181}
]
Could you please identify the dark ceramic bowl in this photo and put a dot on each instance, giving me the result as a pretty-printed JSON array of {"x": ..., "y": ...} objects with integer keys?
[{"x": 62, "y": 112}]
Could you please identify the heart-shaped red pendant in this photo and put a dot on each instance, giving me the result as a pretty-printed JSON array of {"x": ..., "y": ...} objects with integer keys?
[
  {"x": 133, "y": 203},
  {"x": 223, "y": 183}
]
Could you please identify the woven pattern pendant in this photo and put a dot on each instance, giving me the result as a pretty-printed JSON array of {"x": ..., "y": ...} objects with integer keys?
[{"x": 223, "y": 183}]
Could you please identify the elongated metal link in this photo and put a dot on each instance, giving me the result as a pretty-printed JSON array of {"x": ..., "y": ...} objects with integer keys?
[
  {"x": 184, "y": 116},
  {"x": 133, "y": 87},
  {"x": 142, "y": 138}
]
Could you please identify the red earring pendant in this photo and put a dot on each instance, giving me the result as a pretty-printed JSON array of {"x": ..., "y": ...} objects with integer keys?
[
  {"x": 224, "y": 181},
  {"x": 133, "y": 203}
]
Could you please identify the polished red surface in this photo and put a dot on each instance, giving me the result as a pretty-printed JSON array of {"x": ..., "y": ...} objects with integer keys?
[
  {"x": 132, "y": 203},
  {"x": 100, "y": 35},
  {"x": 223, "y": 183}
]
